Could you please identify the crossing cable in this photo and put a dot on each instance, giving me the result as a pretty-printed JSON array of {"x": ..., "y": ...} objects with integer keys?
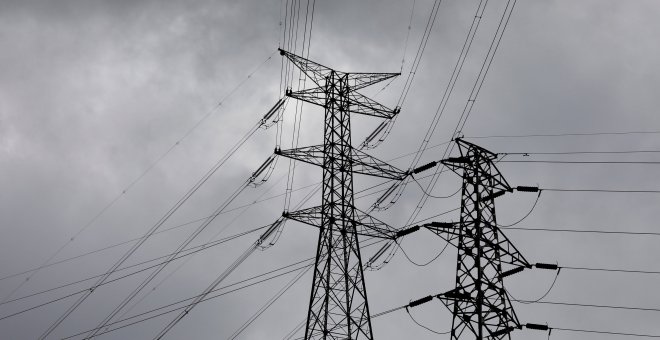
[
  {"x": 158, "y": 224},
  {"x": 306, "y": 263},
  {"x": 246, "y": 285},
  {"x": 137, "y": 179},
  {"x": 420, "y": 52},
  {"x": 474, "y": 93},
  {"x": 269, "y": 303},
  {"x": 179, "y": 249},
  {"x": 190, "y": 223},
  {"x": 183, "y": 263},
  {"x": 405, "y": 44},
  {"x": 186, "y": 253}
]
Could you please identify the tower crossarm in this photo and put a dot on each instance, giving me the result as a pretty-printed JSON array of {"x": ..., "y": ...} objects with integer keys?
[
  {"x": 365, "y": 224},
  {"x": 450, "y": 232},
  {"x": 495, "y": 326},
  {"x": 315, "y": 71},
  {"x": 356, "y": 103},
  {"x": 361, "y": 162}
]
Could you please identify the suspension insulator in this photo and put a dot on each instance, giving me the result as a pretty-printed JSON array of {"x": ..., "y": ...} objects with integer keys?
[
  {"x": 405, "y": 232},
  {"x": 527, "y": 189},
  {"x": 537, "y": 326},
  {"x": 378, "y": 255},
  {"x": 503, "y": 331},
  {"x": 548, "y": 266},
  {"x": 267, "y": 165},
  {"x": 276, "y": 229},
  {"x": 457, "y": 160},
  {"x": 442, "y": 225},
  {"x": 512, "y": 271},
  {"x": 494, "y": 195},
  {"x": 375, "y": 133},
  {"x": 425, "y": 167},
  {"x": 421, "y": 301}
]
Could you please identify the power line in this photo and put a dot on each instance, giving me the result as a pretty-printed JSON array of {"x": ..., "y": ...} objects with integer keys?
[
  {"x": 581, "y": 162},
  {"x": 565, "y": 230},
  {"x": 188, "y": 251},
  {"x": 577, "y": 152},
  {"x": 603, "y": 190},
  {"x": 568, "y": 134},
  {"x": 645, "y": 309},
  {"x": 137, "y": 179},
  {"x": 612, "y": 270},
  {"x": 604, "y": 332}
]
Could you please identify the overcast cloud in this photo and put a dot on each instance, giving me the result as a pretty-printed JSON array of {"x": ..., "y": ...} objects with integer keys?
[{"x": 94, "y": 92}]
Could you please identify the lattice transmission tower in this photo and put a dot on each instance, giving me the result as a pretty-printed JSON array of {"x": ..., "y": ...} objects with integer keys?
[
  {"x": 479, "y": 302},
  {"x": 338, "y": 306}
]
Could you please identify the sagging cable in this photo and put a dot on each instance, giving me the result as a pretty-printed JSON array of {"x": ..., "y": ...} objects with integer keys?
[
  {"x": 266, "y": 168},
  {"x": 273, "y": 115}
]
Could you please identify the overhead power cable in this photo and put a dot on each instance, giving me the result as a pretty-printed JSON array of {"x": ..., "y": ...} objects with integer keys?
[
  {"x": 605, "y": 332},
  {"x": 300, "y": 265},
  {"x": 474, "y": 93},
  {"x": 568, "y": 134},
  {"x": 578, "y": 152},
  {"x": 156, "y": 226},
  {"x": 591, "y": 231},
  {"x": 644, "y": 309},
  {"x": 581, "y": 162},
  {"x": 137, "y": 179},
  {"x": 185, "y": 253}
]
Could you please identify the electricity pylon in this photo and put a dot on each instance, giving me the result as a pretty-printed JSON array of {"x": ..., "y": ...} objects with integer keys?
[
  {"x": 338, "y": 307},
  {"x": 479, "y": 302}
]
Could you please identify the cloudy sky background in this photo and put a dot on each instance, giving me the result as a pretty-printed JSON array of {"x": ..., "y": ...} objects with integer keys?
[{"x": 94, "y": 92}]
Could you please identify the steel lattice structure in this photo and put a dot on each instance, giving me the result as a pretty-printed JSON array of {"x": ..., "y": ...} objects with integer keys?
[
  {"x": 338, "y": 307},
  {"x": 479, "y": 302}
]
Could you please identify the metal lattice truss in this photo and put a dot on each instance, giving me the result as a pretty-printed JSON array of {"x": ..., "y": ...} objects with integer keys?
[
  {"x": 479, "y": 303},
  {"x": 338, "y": 307},
  {"x": 365, "y": 224},
  {"x": 353, "y": 101},
  {"x": 361, "y": 163}
]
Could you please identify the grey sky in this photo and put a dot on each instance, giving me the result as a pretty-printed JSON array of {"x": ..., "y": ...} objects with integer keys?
[{"x": 93, "y": 92}]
